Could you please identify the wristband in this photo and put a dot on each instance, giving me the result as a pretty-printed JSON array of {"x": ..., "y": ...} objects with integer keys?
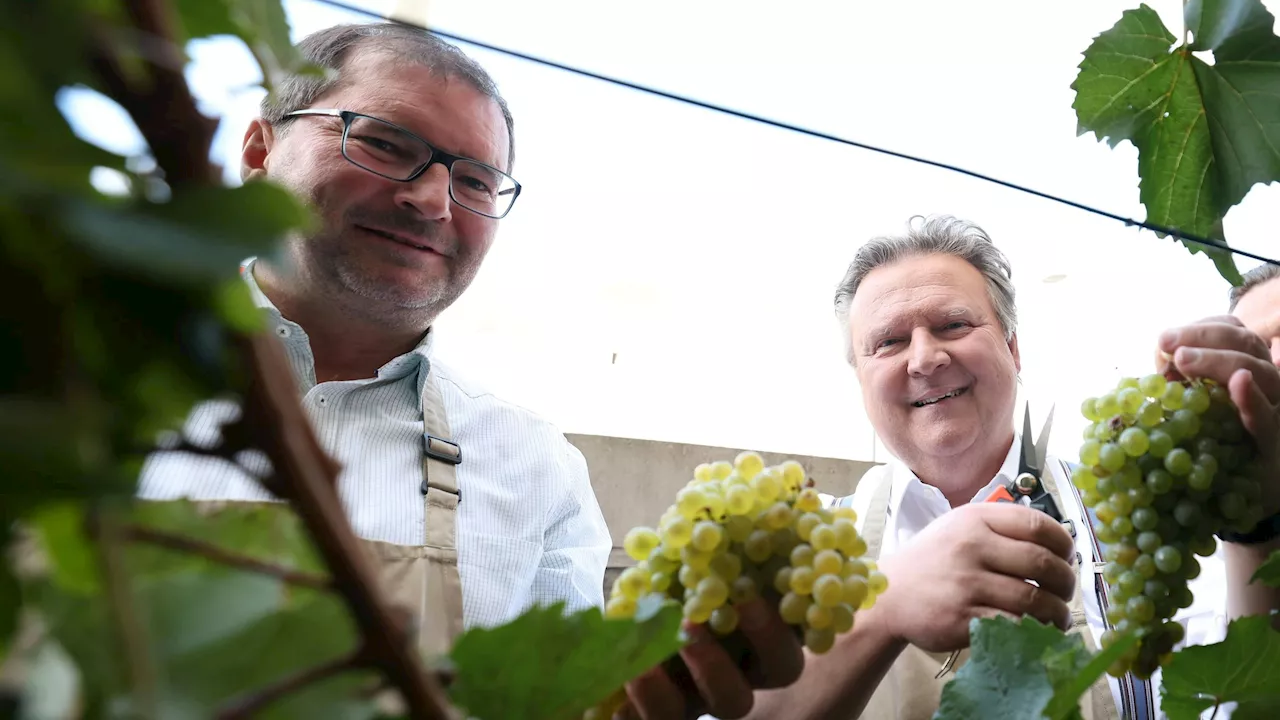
[{"x": 1268, "y": 529}]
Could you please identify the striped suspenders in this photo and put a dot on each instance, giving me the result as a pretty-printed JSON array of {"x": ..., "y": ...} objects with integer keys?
[{"x": 1135, "y": 694}]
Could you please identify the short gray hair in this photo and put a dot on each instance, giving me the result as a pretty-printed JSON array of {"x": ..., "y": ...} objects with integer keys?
[
  {"x": 936, "y": 235},
  {"x": 1252, "y": 279},
  {"x": 329, "y": 49}
]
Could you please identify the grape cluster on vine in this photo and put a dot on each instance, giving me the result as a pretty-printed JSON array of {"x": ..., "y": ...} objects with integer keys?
[{"x": 1165, "y": 466}]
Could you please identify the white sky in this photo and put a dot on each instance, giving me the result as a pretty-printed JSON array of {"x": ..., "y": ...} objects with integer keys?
[{"x": 703, "y": 250}]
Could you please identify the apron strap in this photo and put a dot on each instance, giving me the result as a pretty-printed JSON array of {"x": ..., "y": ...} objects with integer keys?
[
  {"x": 441, "y": 456},
  {"x": 877, "y": 515}
]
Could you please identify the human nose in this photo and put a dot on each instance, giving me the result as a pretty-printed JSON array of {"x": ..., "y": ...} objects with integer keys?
[
  {"x": 428, "y": 194},
  {"x": 926, "y": 355}
]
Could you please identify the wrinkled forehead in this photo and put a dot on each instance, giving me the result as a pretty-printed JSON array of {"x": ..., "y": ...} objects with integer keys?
[
  {"x": 1259, "y": 309},
  {"x": 928, "y": 291}
]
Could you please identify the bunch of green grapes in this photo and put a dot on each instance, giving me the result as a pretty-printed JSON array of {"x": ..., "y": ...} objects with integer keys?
[
  {"x": 740, "y": 530},
  {"x": 1165, "y": 465}
]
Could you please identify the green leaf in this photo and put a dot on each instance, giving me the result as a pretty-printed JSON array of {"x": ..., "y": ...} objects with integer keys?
[
  {"x": 1268, "y": 573},
  {"x": 205, "y": 18},
  {"x": 201, "y": 235},
  {"x": 1244, "y": 668},
  {"x": 1203, "y": 132},
  {"x": 545, "y": 665},
  {"x": 1023, "y": 670},
  {"x": 1073, "y": 670},
  {"x": 68, "y": 549}
]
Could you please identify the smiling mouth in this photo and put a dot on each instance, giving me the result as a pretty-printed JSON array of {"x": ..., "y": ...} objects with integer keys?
[
  {"x": 935, "y": 400},
  {"x": 396, "y": 239}
]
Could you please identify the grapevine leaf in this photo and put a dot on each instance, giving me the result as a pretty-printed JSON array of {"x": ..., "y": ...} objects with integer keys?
[
  {"x": 1268, "y": 573},
  {"x": 1073, "y": 671},
  {"x": 1201, "y": 130},
  {"x": 205, "y": 18},
  {"x": 1244, "y": 668},
  {"x": 546, "y": 665},
  {"x": 67, "y": 547},
  {"x": 1023, "y": 670},
  {"x": 201, "y": 234}
]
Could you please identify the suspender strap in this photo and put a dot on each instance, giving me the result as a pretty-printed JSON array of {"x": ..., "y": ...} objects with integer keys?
[{"x": 1135, "y": 694}]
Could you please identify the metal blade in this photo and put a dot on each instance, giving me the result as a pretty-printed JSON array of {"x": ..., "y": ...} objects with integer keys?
[
  {"x": 1028, "y": 444},
  {"x": 1042, "y": 444}
]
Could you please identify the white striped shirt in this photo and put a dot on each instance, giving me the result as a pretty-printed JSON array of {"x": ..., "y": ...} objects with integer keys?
[{"x": 529, "y": 527}]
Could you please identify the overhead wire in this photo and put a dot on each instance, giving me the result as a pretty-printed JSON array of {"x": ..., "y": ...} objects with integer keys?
[{"x": 1128, "y": 221}]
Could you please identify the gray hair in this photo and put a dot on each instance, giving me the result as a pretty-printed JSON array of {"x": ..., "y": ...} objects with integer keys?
[
  {"x": 937, "y": 235},
  {"x": 1252, "y": 279},
  {"x": 329, "y": 49}
]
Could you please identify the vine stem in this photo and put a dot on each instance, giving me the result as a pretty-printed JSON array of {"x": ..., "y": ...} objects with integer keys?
[
  {"x": 251, "y": 703},
  {"x": 224, "y": 557},
  {"x": 132, "y": 635},
  {"x": 179, "y": 137}
]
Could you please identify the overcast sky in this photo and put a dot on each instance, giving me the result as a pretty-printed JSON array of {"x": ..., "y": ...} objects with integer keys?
[{"x": 668, "y": 271}]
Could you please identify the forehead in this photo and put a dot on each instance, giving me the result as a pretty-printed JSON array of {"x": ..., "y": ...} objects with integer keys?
[
  {"x": 918, "y": 288},
  {"x": 1259, "y": 309},
  {"x": 446, "y": 111}
]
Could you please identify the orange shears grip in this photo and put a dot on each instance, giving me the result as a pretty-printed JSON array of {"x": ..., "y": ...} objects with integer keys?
[{"x": 1001, "y": 494}]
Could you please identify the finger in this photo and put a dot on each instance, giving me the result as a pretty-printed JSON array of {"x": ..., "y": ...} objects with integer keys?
[
  {"x": 653, "y": 695},
  {"x": 1215, "y": 335},
  {"x": 1021, "y": 523},
  {"x": 779, "y": 658},
  {"x": 1020, "y": 598},
  {"x": 1028, "y": 561},
  {"x": 721, "y": 684},
  {"x": 1220, "y": 365},
  {"x": 1256, "y": 412}
]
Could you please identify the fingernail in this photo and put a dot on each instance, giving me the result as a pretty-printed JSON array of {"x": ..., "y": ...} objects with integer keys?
[
  {"x": 1168, "y": 337},
  {"x": 1188, "y": 354}
]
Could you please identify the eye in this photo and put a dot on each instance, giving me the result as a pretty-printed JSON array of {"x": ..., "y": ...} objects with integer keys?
[{"x": 955, "y": 325}]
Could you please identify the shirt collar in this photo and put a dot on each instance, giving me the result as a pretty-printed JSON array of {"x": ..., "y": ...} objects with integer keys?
[
  {"x": 907, "y": 486},
  {"x": 418, "y": 357}
]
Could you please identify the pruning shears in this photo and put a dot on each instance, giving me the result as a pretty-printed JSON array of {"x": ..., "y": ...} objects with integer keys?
[{"x": 1027, "y": 488}]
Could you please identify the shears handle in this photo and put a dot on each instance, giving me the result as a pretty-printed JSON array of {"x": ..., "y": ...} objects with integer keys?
[{"x": 1034, "y": 497}]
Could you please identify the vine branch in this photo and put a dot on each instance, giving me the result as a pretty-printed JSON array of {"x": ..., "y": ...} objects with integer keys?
[
  {"x": 180, "y": 137},
  {"x": 219, "y": 555},
  {"x": 251, "y": 703}
]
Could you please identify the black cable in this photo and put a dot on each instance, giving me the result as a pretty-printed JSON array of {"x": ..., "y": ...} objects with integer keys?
[{"x": 1188, "y": 237}]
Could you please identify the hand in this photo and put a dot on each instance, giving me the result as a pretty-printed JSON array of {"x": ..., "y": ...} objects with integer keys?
[
  {"x": 974, "y": 562},
  {"x": 1223, "y": 350},
  {"x": 720, "y": 686}
]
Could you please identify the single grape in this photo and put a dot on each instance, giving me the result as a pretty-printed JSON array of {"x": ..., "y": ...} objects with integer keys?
[
  {"x": 1160, "y": 441},
  {"x": 1111, "y": 457},
  {"x": 819, "y": 617},
  {"x": 856, "y": 590},
  {"x": 793, "y": 608},
  {"x": 1168, "y": 559},
  {"x": 1159, "y": 481},
  {"x": 1152, "y": 385},
  {"x": 841, "y": 619},
  {"x": 726, "y": 566},
  {"x": 739, "y": 500},
  {"x": 633, "y": 582},
  {"x": 706, "y": 535},
  {"x": 676, "y": 533},
  {"x": 1130, "y": 399},
  {"x": 767, "y": 486},
  {"x": 640, "y": 542},
  {"x": 1178, "y": 462},
  {"x": 1089, "y": 409},
  {"x": 758, "y": 547},
  {"x": 697, "y": 611},
  {"x": 802, "y": 579},
  {"x": 819, "y": 641},
  {"x": 1134, "y": 442},
  {"x": 620, "y": 607},
  {"x": 1090, "y": 452},
  {"x": 1172, "y": 397},
  {"x": 713, "y": 590},
  {"x": 1196, "y": 399},
  {"x": 1144, "y": 519},
  {"x": 808, "y": 501},
  {"x": 1149, "y": 542},
  {"x": 724, "y": 620},
  {"x": 827, "y": 562},
  {"x": 1107, "y": 405},
  {"x": 828, "y": 590}
]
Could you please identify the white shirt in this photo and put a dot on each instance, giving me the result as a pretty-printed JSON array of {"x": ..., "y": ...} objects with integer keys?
[
  {"x": 913, "y": 505},
  {"x": 529, "y": 527}
]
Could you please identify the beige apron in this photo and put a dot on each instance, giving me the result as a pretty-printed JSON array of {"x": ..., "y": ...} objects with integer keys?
[
  {"x": 424, "y": 578},
  {"x": 909, "y": 690}
]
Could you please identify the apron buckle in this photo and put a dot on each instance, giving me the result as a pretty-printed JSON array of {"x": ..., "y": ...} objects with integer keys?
[{"x": 443, "y": 450}]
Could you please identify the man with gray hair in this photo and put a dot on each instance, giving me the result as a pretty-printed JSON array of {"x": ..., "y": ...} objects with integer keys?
[
  {"x": 473, "y": 508},
  {"x": 930, "y": 323},
  {"x": 1256, "y": 304}
]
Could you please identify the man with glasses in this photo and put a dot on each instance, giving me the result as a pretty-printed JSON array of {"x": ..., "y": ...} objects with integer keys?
[{"x": 473, "y": 508}]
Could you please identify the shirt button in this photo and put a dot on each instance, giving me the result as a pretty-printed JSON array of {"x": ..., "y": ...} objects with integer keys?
[
  {"x": 282, "y": 331},
  {"x": 322, "y": 399}
]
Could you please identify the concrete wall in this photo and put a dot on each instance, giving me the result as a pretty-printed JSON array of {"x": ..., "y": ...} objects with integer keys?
[{"x": 635, "y": 480}]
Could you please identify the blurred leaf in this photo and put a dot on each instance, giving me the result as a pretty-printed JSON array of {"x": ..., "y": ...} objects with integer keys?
[
  {"x": 1073, "y": 670},
  {"x": 1268, "y": 573},
  {"x": 235, "y": 306},
  {"x": 10, "y": 605},
  {"x": 545, "y": 665},
  {"x": 206, "y": 18},
  {"x": 201, "y": 235},
  {"x": 68, "y": 549},
  {"x": 1244, "y": 668}
]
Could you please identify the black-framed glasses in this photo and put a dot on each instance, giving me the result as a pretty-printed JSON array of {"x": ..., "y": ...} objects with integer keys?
[{"x": 388, "y": 150}]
